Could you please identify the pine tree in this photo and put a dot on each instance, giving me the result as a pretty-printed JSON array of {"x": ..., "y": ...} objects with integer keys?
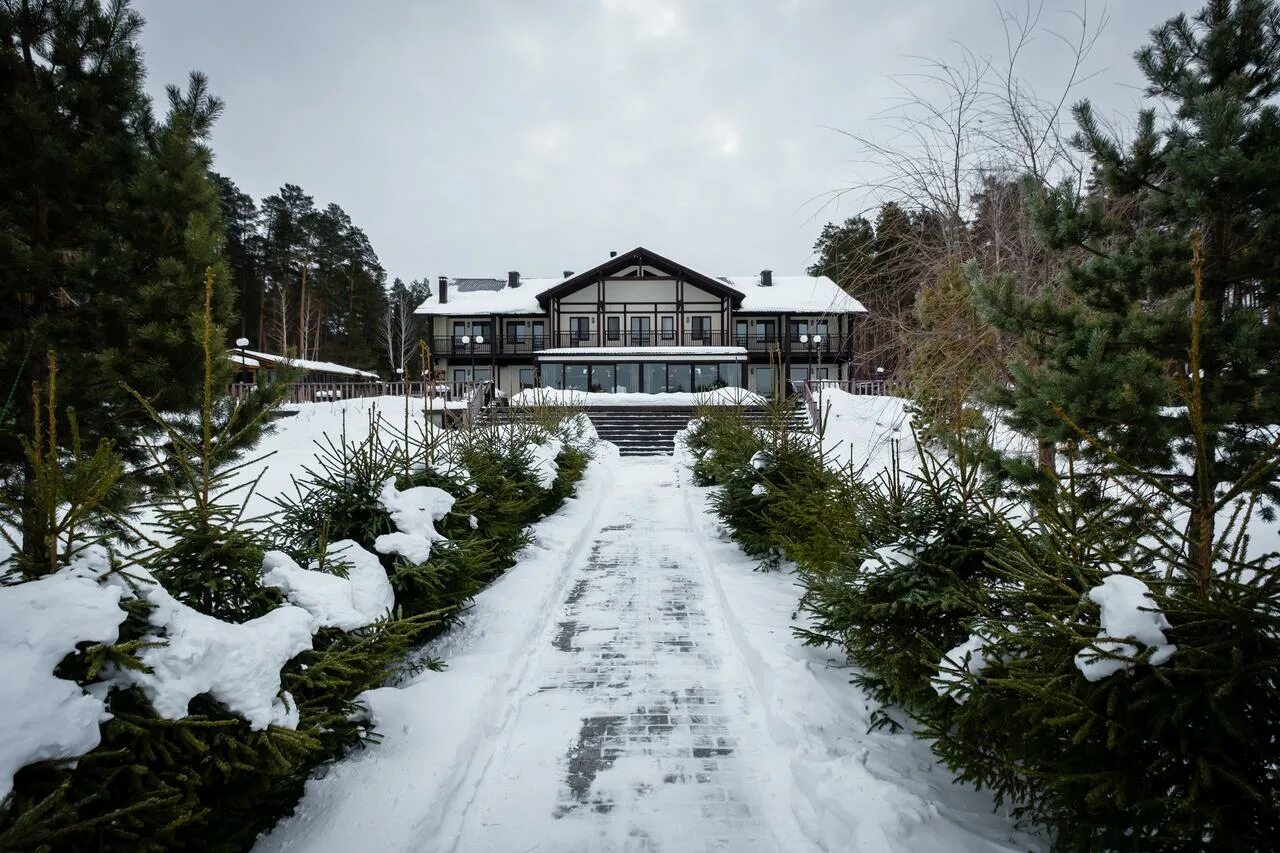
[
  {"x": 107, "y": 220},
  {"x": 1111, "y": 349}
]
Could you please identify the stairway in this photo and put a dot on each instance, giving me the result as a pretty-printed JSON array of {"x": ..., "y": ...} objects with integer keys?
[{"x": 651, "y": 430}]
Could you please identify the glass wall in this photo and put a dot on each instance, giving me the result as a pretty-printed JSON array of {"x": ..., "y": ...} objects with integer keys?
[
  {"x": 649, "y": 377},
  {"x": 575, "y": 377},
  {"x": 628, "y": 378},
  {"x": 602, "y": 377},
  {"x": 706, "y": 377},
  {"x": 679, "y": 377},
  {"x": 655, "y": 377}
]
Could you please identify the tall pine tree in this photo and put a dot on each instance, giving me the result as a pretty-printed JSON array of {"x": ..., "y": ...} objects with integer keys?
[
  {"x": 1111, "y": 349},
  {"x": 107, "y": 222}
]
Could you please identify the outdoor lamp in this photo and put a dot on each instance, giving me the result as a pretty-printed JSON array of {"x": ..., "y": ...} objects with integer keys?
[
  {"x": 804, "y": 339},
  {"x": 817, "y": 340},
  {"x": 466, "y": 339},
  {"x": 479, "y": 339},
  {"x": 242, "y": 342}
]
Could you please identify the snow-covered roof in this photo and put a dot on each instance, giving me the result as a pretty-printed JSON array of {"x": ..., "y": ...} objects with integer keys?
[
  {"x": 306, "y": 364},
  {"x": 243, "y": 361},
  {"x": 798, "y": 293},
  {"x": 816, "y": 294},
  {"x": 467, "y": 297}
]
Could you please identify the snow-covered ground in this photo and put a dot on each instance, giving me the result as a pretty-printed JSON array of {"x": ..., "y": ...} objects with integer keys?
[
  {"x": 558, "y": 397},
  {"x": 633, "y": 684}
]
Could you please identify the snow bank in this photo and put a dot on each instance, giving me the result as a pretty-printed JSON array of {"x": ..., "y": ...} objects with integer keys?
[
  {"x": 544, "y": 461},
  {"x": 558, "y": 397},
  {"x": 41, "y": 621},
  {"x": 861, "y": 431},
  {"x": 414, "y": 512},
  {"x": 238, "y": 665},
  {"x": 356, "y": 601},
  {"x": 1128, "y": 610}
]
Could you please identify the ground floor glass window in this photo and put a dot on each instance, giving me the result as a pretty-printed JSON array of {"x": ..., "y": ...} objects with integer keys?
[
  {"x": 628, "y": 378},
  {"x": 575, "y": 377}
]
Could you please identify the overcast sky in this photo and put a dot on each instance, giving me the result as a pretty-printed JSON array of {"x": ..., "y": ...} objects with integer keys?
[{"x": 472, "y": 138}]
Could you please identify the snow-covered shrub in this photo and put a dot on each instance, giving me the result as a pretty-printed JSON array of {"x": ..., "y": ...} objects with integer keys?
[
  {"x": 1119, "y": 705},
  {"x": 913, "y": 586},
  {"x": 721, "y": 442}
]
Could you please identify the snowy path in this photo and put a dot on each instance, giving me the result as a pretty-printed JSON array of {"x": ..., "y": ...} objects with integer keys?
[
  {"x": 629, "y": 731},
  {"x": 634, "y": 685}
]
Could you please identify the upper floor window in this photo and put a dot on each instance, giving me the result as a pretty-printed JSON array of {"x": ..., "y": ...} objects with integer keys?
[
  {"x": 701, "y": 328},
  {"x": 516, "y": 333},
  {"x": 580, "y": 328},
  {"x": 613, "y": 328},
  {"x": 668, "y": 328},
  {"x": 765, "y": 331}
]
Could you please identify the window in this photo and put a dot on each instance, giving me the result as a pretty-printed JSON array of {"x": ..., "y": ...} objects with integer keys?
[
  {"x": 614, "y": 329},
  {"x": 668, "y": 328},
  {"x": 539, "y": 329},
  {"x": 764, "y": 332},
  {"x": 655, "y": 377},
  {"x": 764, "y": 381},
  {"x": 526, "y": 378},
  {"x": 516, "y": 333},
  {"x": 798, "y": 328},
  {"x": 459, "y": 331},
  {"x": 701, "y": 327},
  {"x": 731, "y": 374},
  {"x": 580, "y": 328},
  {"x": 602, "y": 377},
  {"x": 552, "y": 375},
  {"x": 679, "y": 377},
  {"x": 706, "y": 377},
  {"x": 640, "y": 331},
  {"x": 575, "y": 377},
  {"x": 627, "y": 378},
  {"x": 740, "y": 333}
]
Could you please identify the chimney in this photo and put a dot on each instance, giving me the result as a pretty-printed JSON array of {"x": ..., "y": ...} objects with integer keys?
[
  {"x": 513, "y": 279},
  {"x": 766, "y": 278},
  {"x": 444, "y": 289},
  {"x": 568, "y": 273},
  {"x": 613, "y": 254}
]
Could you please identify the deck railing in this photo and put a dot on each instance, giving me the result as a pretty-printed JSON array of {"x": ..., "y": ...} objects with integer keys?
[
  {"x": 322, "y": 392},
  {"x": 525, "y": 343}
]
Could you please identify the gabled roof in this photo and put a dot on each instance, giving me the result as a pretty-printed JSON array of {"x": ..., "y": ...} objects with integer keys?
[
  {"x": 470, "y": 297},
  {"x": 637, "y": 257}
]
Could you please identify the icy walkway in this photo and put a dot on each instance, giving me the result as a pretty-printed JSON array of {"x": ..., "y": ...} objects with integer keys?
[
  {"x": 632, "y": 685},
  {"x": 628, "y": 734}
]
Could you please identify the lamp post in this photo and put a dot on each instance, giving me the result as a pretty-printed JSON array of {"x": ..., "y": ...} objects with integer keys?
[
  {"x": 241, "y": 343},
  {"x": 466, "y": 345},
  {"x": 400, "y": 379}
]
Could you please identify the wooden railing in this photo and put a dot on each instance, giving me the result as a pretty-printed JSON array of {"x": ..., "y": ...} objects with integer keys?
[
  {"x": 861, "y": 387},
  {"x": 323, "y": 392}
]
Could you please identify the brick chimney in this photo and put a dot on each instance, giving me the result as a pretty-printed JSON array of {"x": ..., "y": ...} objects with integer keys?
[
  {"x": 444, "y": 289},
  {"x": 766, "y": 278},
  {"x": 513, "y": 279}
]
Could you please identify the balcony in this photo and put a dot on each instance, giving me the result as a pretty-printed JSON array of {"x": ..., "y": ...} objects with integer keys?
[{"x": 530, "y": 344}]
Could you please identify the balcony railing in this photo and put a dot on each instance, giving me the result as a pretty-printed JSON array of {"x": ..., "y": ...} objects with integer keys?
[{"x": 527, "y": 344}]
